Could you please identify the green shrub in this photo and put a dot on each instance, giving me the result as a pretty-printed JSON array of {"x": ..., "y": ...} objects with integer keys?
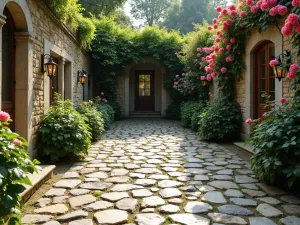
[
  {"x": 276, "y": 143},
  {"x": 221, "y": 120},
  {"x": 15, "y": 164},
  {"x": 173, "y": 111},
  {"x": 188, "y": 109},
  {"x": 195, "y": 120},
  {"x": 117, "y": 109},
  {"x": 93, "y": 118},
  {"x": 107, "y": 112},
  {"x": 63, "y": 131}
]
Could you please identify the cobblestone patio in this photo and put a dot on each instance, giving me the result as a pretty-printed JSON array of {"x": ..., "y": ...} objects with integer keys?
[{"x": 152, "y": 172}]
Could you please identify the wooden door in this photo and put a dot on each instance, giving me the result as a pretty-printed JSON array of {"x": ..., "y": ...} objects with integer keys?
[
  {"x": 264, "y": 80},
  {"x": 145, "y": 99},
  {"x": 8, "y": 67}
]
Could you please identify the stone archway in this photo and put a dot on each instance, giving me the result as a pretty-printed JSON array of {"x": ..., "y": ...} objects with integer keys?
[{"x": 23, "y": 65}]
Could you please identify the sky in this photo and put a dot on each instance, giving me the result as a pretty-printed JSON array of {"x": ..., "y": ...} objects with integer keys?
[{"x": 136, "y": 22}]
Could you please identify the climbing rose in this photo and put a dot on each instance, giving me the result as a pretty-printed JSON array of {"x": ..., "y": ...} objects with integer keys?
[
  {"x": 273, "y": 62},
  {"x": 232, "y": 7},
  {"x": 224, "y": 12},
  {"x": 203, "y": 78},
  {"x": 232, "y": 13},
  {"x": 249, "y": 121},
  {"x": 219, "y": 9},
  {"x": 209, "y": 28},
  {"x": 102, "y": 93},
  {"x": 4, "y": 116},
  {"x": 208, "y": 77},
  {"x": 242, "y": 14},
  {"x": 232, "y": 40},
  {"x": 291, "y": 75},
  {"x": 214, "y": 75},
  {"x": 215, "y": 26},
  {"x": 229, "y": 59},
  {"x": 249, "y": 2},
  {"x": 221, "y": 50},
  {"x": 282, "y": 10},
  {"x": 286, "y": 31},
  {"x": 228, "y": 47},
  {"x": 198, "y": 54},
  {"x": 177, "y": 76},
  {"x": 293, "y": 18},
  {"x": 258, "y": 4},
  {"x": 264, "y": 6},
  {"x": 254, "y": 9},
  {"x": 17, "y": 142},
  {"x": 295, "y": 3},
  {"x": 198, "y": 49},
  {"x": 174, "y": 86},
  {"x": 224, "y": 40},
  {"x": 215, "y": 21},
  {"x": 283, "y": 100},
  {"x": 183, "y": 74},
  {"x": 273, "y": 11},
  {"x": 294, "y": 68},
  {"x": 223, "y": 70}
]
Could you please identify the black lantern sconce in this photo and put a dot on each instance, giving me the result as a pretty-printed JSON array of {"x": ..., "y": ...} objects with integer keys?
[
  {"x": 280, "y": 70},
  {"x": 81, "y": 78},
  {"x": 204, "y": 83},
  {"x": 50, "y": 67}
]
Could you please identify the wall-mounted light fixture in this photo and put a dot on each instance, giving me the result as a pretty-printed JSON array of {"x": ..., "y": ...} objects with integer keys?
[
  {"x": 283, "y": 62},
  {"x": 50, "y": 67},
  {"x": 81, "y": 78}
]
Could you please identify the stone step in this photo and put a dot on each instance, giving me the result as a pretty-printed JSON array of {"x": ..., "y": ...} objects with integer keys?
[
  {"x": 145, "y": 114},
  {"x": 45, "y": 172},
  {"x": 246, "y": 148}
]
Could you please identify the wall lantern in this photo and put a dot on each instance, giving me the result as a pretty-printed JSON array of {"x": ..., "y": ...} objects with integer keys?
[
  {"x": 280, "y": 70},
  {"x": 204, "y": 83},
  {"x": 81, "y": 78},
  {"x": 50, "y": 67}
]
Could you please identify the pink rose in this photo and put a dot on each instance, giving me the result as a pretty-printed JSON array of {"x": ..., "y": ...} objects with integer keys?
[
  {"x": 283, "y": 100},
  {"x": 4, "y": 116},
  {"x": 232, "y": 40},
  {"x": 175, "y": 87},
  {"x": 243, "y": 14},
  {"x": 254, "y": 9},
  {"x": 232, "y": 7},
  {"x": 273, "y": 11},
  {"x": 249, "y": 2},
  {"x": 221, "y": 50},
  {"x": 215, "y": 21},
  {"x": 272, "y": 2},
  {"x": 102, "y": 93},
  {"x": 177, "y": 76},
  {"x": 224, "y": 12},
  {"x": 273, "y": 62},
  {"x": 198, "y": 49},
  {"x": 215, "y": 26},
  {"x": 294, "y": 68},
  {"x": 295, "y": 3},
  {"x": 264, "y": 6},
  {"x": 286, "y": 31},
  {"x": 209, "y": 28},
  {"x": 198, "y": 55},
  {"x": 282, "y": 10},
  {"x": 228, "y": 47},
  {"x": 219, "y": 9},
  {"x": 293, "y": 18},
  {"x": 223, "y": 70},
  {"x": 228, "y": 59},
  {"x": 214, "y": 75},
  {"x": 291, "y": 75},
  {"x": 183, "y": 74},
  {"x": 224, "y": 40},
  {"x": 249, "y": 121},
  {"x": 258, "y": 4},
  {"x": 203, "y": 78},
  {"x": 17, "y": 142}
]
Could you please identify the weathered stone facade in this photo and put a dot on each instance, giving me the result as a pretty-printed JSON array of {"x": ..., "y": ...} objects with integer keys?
[{"x": 43, "y": 33}]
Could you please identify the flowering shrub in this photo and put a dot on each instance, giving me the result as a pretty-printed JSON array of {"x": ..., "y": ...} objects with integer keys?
[
  {"x": 188, "y": 109},
  {"x": 93, "y": 118},
  {"x": 107, "y": 111},
  {"x": 220, "y": 121},
  {"x": 63, "y": 131},
  {"x": 15, "y": 164},
  {"x": 276, "y": 144}
]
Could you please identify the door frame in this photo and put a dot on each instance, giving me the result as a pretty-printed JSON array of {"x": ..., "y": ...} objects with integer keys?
[{"x": 152, "y": 88}]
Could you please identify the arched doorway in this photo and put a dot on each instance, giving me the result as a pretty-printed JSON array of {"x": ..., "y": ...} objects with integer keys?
[
  {"x": 264, "y": 79},
  {"x": 8, "y": 66}
]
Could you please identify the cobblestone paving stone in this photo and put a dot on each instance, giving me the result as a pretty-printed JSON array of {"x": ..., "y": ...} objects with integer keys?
[{"x": 153, "y": 172}]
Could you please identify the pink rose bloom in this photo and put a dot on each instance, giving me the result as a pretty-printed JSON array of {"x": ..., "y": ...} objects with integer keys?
[
  {"x": 283, "y": 100},
  {"x": 273, "y": 62},
  {"x": 177, "y": 76},
  {"x": 254, "y": 9},
  {"x": 243, "y": 14},
  {"x": 258, "y": 4},
  {"x": 198, "y": 49},
  {"x": 273, "y": 11},
  {"x": 286, "y": 31},
  {"x": 208, "y": 69},
  {"x": 249, "y": 2},
  {"x": 295, "y": 3},
  {"x": 272, "y": 2},
  {"x": 175, "y": 83},
  {"x": 183, "y": 74},
  {"x": 291, "y": 75},
  {"x": 214, "y": 75},
  {"x": 224, "y": 12},
  {"x": 223, "y": 70},
  {"x": 218, "y": 40},
  {"x": 264, "y": 6},
  {"x": 175, "y": 87},
  {"x": 232, "y": 40},
  {"x": 102, "y": 93},
  {"x": 209, "y": 28},
  {"x": 17, "y": 142},
  {"x": 203, "y": 78},
  {"x": 198, "y": 55},
  {"x": 221, "y": 50},
  {"x": 294, "y": 68},
  {"x": 215, "y": 21},
  {"x": 232, "y": 13},
  {"x": 211, "y": 66},
  {"x": 228, "y": 21},
  {"x": 282, "y": 10},
  {"x": 219, "y": 9},
  {"x": 232, "y": 7},
  {"x": 4, "y": 116},
  {"x": 213, "y": 56},
  {"x": 293, "y": 18},
  {"x": 249, "y": 121},
  {"x": 228, "y": 47},
  {"x": 215, "y": 26},
  {"x": 224, "y": 40},
  {"x": 209, "y": 78},
  {"x": 229, "y": 59}
]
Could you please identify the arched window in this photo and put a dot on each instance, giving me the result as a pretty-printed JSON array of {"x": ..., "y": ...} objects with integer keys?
[{"x": 264, "y": 79}]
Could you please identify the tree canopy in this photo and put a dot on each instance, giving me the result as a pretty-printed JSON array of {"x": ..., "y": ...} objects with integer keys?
[{"x": 97, "y": 7}]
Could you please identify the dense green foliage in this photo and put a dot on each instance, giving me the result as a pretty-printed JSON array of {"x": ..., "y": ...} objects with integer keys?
[
  {"x": 117, "y": 109},
  {"x": 195, "y": 120},
  {"x": 93, "y": 118},
  {"x": 173, "y": 111},
  {"x": 97, "y": 7},
  {"x": 276, "y": 144},
  {"x": 188, "y": 109},
  {"x": 15, "y": 165},
  {"x": 63, "y": 132},
  {"x": 220, "y": 121},
  {"x": 107, "y": 112},
  {"x": 116, "y": 47}
]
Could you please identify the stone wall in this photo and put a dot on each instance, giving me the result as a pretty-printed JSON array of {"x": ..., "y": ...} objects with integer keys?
[{"x": 48, "y": 28}]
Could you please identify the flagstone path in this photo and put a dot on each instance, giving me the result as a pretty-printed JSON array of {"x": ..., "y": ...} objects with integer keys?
[{"x": 152, "y": 172}]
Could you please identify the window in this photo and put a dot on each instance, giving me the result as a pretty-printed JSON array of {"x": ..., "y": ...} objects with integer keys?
[{"x": 144, "y": 85}]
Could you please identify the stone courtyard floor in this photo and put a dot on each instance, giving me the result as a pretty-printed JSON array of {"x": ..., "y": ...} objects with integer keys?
[{"x": 152, "y": 172}]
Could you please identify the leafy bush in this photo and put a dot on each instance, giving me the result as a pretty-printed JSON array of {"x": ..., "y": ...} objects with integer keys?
[
  {"x": 93, "y": 118},
  {"x": 221, "y": 121},
  {"x": 107, "y": 112},
  {"x": 173, "y": 111},
  {"x": 195, "y": 121},
  {"x": 276, "y": 143},
  {"x": 117, "y": 109},
  {"x": 15, "y": 164},
  {"x": 189, "y": 108},
  {"x": 63, "y": 131}
]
